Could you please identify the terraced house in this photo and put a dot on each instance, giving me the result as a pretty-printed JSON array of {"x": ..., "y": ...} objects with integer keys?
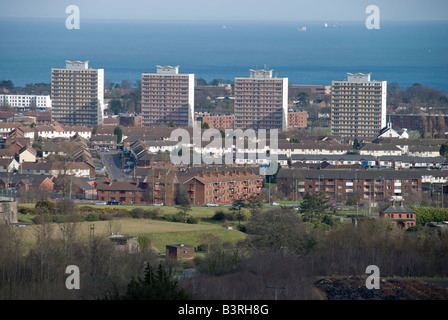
[{"x": 125, "y": 192}]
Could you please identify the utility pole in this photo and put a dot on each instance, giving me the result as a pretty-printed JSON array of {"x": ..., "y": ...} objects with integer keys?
[{"x": 276, "y": 289}]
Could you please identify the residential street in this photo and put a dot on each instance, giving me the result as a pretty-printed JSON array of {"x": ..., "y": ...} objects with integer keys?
[{"x": 112, "y": 162}]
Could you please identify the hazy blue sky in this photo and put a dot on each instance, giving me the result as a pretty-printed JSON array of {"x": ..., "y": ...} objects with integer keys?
[{"x": 293, "y": 10}]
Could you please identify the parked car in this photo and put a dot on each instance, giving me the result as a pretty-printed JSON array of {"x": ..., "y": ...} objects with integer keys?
[
  {"x": 295, "y": 207},
  {"x": 100, "y": 203},
  {"x": 158, "y": 204},
  {"x": 114, "y": 202},
  {"x": 275, "y": 203},
  {"x": 211, "y": 204}
]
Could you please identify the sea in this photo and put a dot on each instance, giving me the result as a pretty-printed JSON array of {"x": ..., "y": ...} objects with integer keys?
[{"x": 307, "y": 53}]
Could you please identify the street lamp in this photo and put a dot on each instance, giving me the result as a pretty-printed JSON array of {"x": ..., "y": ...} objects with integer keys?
[{"x": 443, "y": 185}]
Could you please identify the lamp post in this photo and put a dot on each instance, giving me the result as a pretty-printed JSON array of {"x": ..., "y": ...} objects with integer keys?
[{"x": 442, "y": 195}]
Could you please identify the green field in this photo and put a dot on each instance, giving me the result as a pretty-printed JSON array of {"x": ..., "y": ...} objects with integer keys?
[{"x": 160, "y": 233}]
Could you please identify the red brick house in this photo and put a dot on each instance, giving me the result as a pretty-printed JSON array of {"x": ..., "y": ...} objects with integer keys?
[
  {"x": 29, "y": 181},
  {"x": 125, "y": 192},
  {"x": 223, "y": 186},
  {"x": 180, "y": 251},
  {"x": 401, "y": 216}
]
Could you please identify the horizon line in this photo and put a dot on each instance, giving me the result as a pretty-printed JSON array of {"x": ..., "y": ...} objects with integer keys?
[{"x": 220, "y": 20}]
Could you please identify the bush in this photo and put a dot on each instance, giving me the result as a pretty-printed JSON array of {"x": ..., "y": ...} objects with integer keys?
[
  {"x": 221, "y": 215},
  {"x": 92, "y": 217},
  {"x": 45, "y": 206},
  {"x": 192, "y": 220},
  {"x": 104, "y": 217},
  {"x": 137, "y": 213},
  {"x": 152, "y": 213}
]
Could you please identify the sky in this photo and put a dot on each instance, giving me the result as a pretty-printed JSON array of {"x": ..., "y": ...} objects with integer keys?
[{"x": 229, "y": 10}]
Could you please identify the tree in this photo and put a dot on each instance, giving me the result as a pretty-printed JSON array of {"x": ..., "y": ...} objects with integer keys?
[
  {"x": 205, "y": 125},
  {"x": 115, "y": 106},
  {"x": 423, "y": 124},
  {"x": 236, "y": 207},
  {"x": 119, "y": 133},
  {"x": 181, "y": 196},
  {"x": 156, "y": 285},
  {"x": 444, "y": 150},
  {"x": 254, "y": 203},
  {"x": 201, "y": 82},
  {"x": 314, "y": 205},
  {"x": 279, "y": 230},
  {"x": 440, "y": 126},
  {"x": 184, "y": 209}
]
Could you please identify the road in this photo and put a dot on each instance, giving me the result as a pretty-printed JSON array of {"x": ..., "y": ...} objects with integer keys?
[{"x": 112, "y": 162}]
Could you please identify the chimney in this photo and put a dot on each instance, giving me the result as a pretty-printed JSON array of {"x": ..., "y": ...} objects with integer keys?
[{"x": 401, "y": 203}]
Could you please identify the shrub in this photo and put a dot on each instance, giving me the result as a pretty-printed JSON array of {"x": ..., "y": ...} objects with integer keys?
[
  {"x": 152, "y": 213},
  {"x": 45, "y": 206},
  {"x": 221, "y": 215},
  {"x": 137, "y": 213},
  {"x": 92, "y": 217},
  {"x": 192, "y": 220},
  {"x": 104, "y": 217}
]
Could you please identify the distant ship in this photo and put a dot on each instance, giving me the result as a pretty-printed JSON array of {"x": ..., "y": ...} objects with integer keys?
[
  {"x": 301, "y": 29},
  {"x": 325, "y": 25}
]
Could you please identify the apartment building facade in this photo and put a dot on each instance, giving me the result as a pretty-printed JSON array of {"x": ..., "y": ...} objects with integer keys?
[
  {"x": 297, "y": 120},
  {"x": 261, "y": 101},
  {"x": 217, "y": 121},
  {"x": 358, "y": 107},
  {"x": 340, "y": 184},
  {"x": 77, "y": 94},
  {"x": 168, "y": 96},
  {"x": 25, "y": 101},
  {"x": 223, "y": 185}
]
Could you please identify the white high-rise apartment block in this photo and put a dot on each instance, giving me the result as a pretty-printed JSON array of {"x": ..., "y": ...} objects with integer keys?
[
  {"x": 168, "y": 96},
  {"x": 261, "y": 101},
  {"x": 358, "y": 106},
  {"x": 77, "y": 94},
  {"x": 25, "y": 101}
]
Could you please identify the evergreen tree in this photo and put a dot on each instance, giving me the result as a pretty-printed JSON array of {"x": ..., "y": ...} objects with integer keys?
[{"x": 156, "y": 285}]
